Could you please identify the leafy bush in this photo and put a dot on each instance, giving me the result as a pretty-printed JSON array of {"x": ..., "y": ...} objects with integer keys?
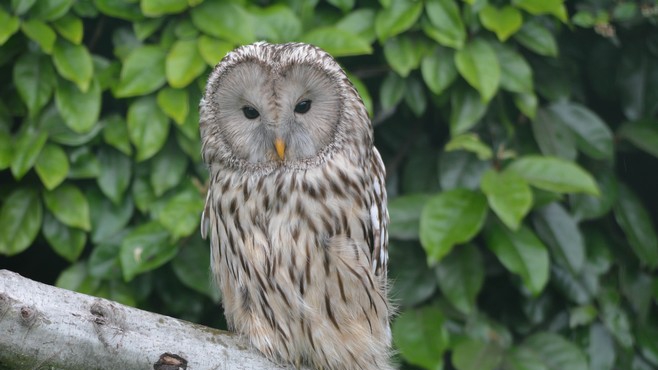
[{"x": 520, "y": 139}]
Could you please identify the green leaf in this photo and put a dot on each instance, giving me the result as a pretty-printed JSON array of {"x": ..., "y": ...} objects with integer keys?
[
  {"x": 183, "y": 63},
  {"x": 143, "y": 72},
  {"x": 34, "y": 79},
  {"x": 22, "y": 6},
  {"x": 397, "y": 18},
  {"x": 41, "y": 33},
  {"x": 213, "y": 50},
  {"x": 554, "y": 174},
  {"x": 276, "y": 23},
  {"x": 68, "y": 205},
  {"x": 84, "y": 164},
  {"x": 589, "y": 207},
  {"x": 104, "y": 261},
  {"x": 412, "y": 280},
  {"x": 180, "y": 214},
  {"x": 186, "y": 267},
  {"x": 6, "y": 150},
  {"x": 147, "y": 27},
  {"x": 156, "y": 8},
  {"x": 392, "y": 91},
  {"x": 478, "y": 64},
  {"x": 359, "y": 22},
  {"x": 337, "y": 42},
  {"x": 108, "y": 218},
  {"x": 362, "y": 90},
  {"x": 509, "y": 196},
  {"x": 115, "y": 133},
  {"x": 601, "y": 348},
  {"x": 8, "y": 26},
  {"x": 556, "y": 352},
  {"x": 537, "y": 38},
  {"x": 503, "y": 21},
  {"x": 637, "y": 76},
  {"x": 461, "y": 170},
  {"x": 145, "y": 248},
  {"x": 52, "y": 166},
  {"x": 80, "y": 110},
  {"x": 73, "y": 62},
  {"x": 128, "y": 10},
  {"x": 466, "y": 110},
  {"x": 642, "y": 134},
  {"x": 343, "y": 5},
  {"x": 446, "y": 20},
  {"x": 174, "y": 103},
  {"x": 50, "y": 9},
  {"x": 167, "y": 168},
  {"x": 559, "y": 230},
  {"x": 516, "y": 74},
  {"x": 450, "y": 218},
  {"x": 471, "y": 354},
  {"x": 225, "y": 20},
  {"x": 20, "y": 220},
  {"x": 70, "y": 27},
  {"x": 438, "y": 69},
  {"x": 522, "y": 253},
  {"x": 415, "y": 96},
  {"x": 115, "y": 173},
  {"x": 460, "y": 276},
  {"x": 66, "y": 241},
  {"x": 527, "y": 104},
  {"x": 472, "y": 143},
  {"x": 634, "y": 219},
  {"x": 553, "y": 138},
  {"x": 148, "y": 127},
  {"x": 27, "y": 148},
  {"x": 421, "y": 337},
  {"x": 405, "y": 213},
  {"x": 403, "y": 54},
  {"x": 582, "y": 315},
  {"x": 519, "y": 358},
  {"x": 538, "y": 7},
  {"x": 592, "y": 135}
]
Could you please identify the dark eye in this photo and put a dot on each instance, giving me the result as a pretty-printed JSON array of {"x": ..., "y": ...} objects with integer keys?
[
  {"x": 250, "y": 112},
  {"x": 303, "y": 106}
]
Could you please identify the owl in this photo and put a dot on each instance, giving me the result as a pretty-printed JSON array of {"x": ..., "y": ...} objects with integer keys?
[{"x": 296, "y": 208}]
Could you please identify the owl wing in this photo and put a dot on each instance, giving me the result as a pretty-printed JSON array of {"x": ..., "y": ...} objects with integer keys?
[{"x": 378, "y": 215}]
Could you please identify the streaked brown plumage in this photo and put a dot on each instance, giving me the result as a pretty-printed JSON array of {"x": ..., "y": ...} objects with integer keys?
[{"x": 296, "y": 209}]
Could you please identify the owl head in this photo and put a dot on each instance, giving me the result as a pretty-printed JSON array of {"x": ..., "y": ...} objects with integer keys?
[{"x": 272, "y": 105}]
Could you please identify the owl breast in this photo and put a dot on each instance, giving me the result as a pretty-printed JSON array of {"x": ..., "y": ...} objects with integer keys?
[{"x": 292, "y": 252}]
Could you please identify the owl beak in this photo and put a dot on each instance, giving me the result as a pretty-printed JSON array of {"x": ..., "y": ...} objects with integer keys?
[{"x": 280, "y": 147}]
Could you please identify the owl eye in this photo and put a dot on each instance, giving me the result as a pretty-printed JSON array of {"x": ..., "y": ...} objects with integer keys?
[
  {"x": 250, "y": 112},
  {"x": 303, "y": 106}
]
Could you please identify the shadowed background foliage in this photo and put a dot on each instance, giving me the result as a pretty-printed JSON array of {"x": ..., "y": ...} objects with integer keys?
[{"x": 520, "y": 139}]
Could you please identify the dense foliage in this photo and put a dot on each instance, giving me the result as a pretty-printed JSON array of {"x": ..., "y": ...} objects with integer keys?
[{"x": 520, "y": 139}]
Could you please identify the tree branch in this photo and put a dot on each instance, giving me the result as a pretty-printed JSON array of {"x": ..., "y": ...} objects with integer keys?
[{"x": 42, "y": 326}]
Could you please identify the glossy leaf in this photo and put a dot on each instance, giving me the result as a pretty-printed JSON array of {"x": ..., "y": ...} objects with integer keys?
[
  {"x": 148, "y": 127},
  {"x": 601, "y": 348},
  {"x": 412, "y": 280},
  {"x": 537, "y": 38},
  {"x": 477, "y": 355},
  {"x": 276, "y": 23},
  {"x": 642, "y": 134},
  {"x": 360, "y": 22},
  {"x": 70, "y": 27},
  {"x": 155, "y": 8},
  {"x": 180, "y": 214},
  {"x": 337, "y": 42},
  {"x": 145, "y": 248},
  {"x": 80, "y": 110},
  {"x": 527, "y": 104},
  {"x": 559, "y": 230},
  {"x": 519, "y": 358},
  {"x": 27, "y": 148},
  {"x": 446, "y": 20},
  {"x": 186, "y": 267},
  {"x": 20, "y": 220},
  {"x": 50, "y": 9},
  {"x": 589, "y": 207},
  {"x": 460, "y": 276},
  {"x": 637, "y": 77},
  {"x": 471, "y": 143},
  {"x": 522, "y": 253},
  {"x": 34, "y": 78},
  {"x": 108, "y": 218},
  {"x": 167, "y": 168},
  {"x": 508, "y": 195},
  {"x": 143, "y": 72},
  {"x": 478, "y": 64},
  {"x": 592, "y": 135},
  {"x": 183, "y": 63},
  {"x": 175, "y": 104},
  {"x": 41, "y": 33},
  {"x": 467, "y": 108},
  {"x": 421, "y": 337},
  {"x": 450, "y": 218},
  {"x": 554, "y": 174},
  {"x": 6, "y": 150},
  {"x": 8, "y": 26},
  {"x": 403, "y": 54},
  {"x": 554, "y": 7},
  {"x": 634, "y": 219},
  {"x": 392, "y": 91},
  {"x": 66, "y": 241},
  {"x": 504, "y": 22},
  {"x": 516, "y": 74},
  {"x": 115, "y": 174},
  {"x": 552, "y": 137},
  {"x": 438, "y": 69},
  {"x": 461, "y": 170},
  {"x": 68, "y": 205},
  {"x": 225, "y": 20},
  {"x": 213, "y": 50},
  {"x": 84, "y": 164},
  {"x": 556, "y": 352},
  {"x": 52, "y": 166},
  {"x": 73, "y": 62},
  {"x": 397, "y": 18},
  {"x": 115, "y": 133},
  {"x": 405, "y": 215}
]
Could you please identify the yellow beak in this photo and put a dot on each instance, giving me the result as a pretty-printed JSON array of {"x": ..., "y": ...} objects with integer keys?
[{"x": 280, "y": 147}]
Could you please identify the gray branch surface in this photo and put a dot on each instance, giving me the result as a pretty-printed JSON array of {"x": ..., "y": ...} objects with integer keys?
[{"x": 44, "y": 327}]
